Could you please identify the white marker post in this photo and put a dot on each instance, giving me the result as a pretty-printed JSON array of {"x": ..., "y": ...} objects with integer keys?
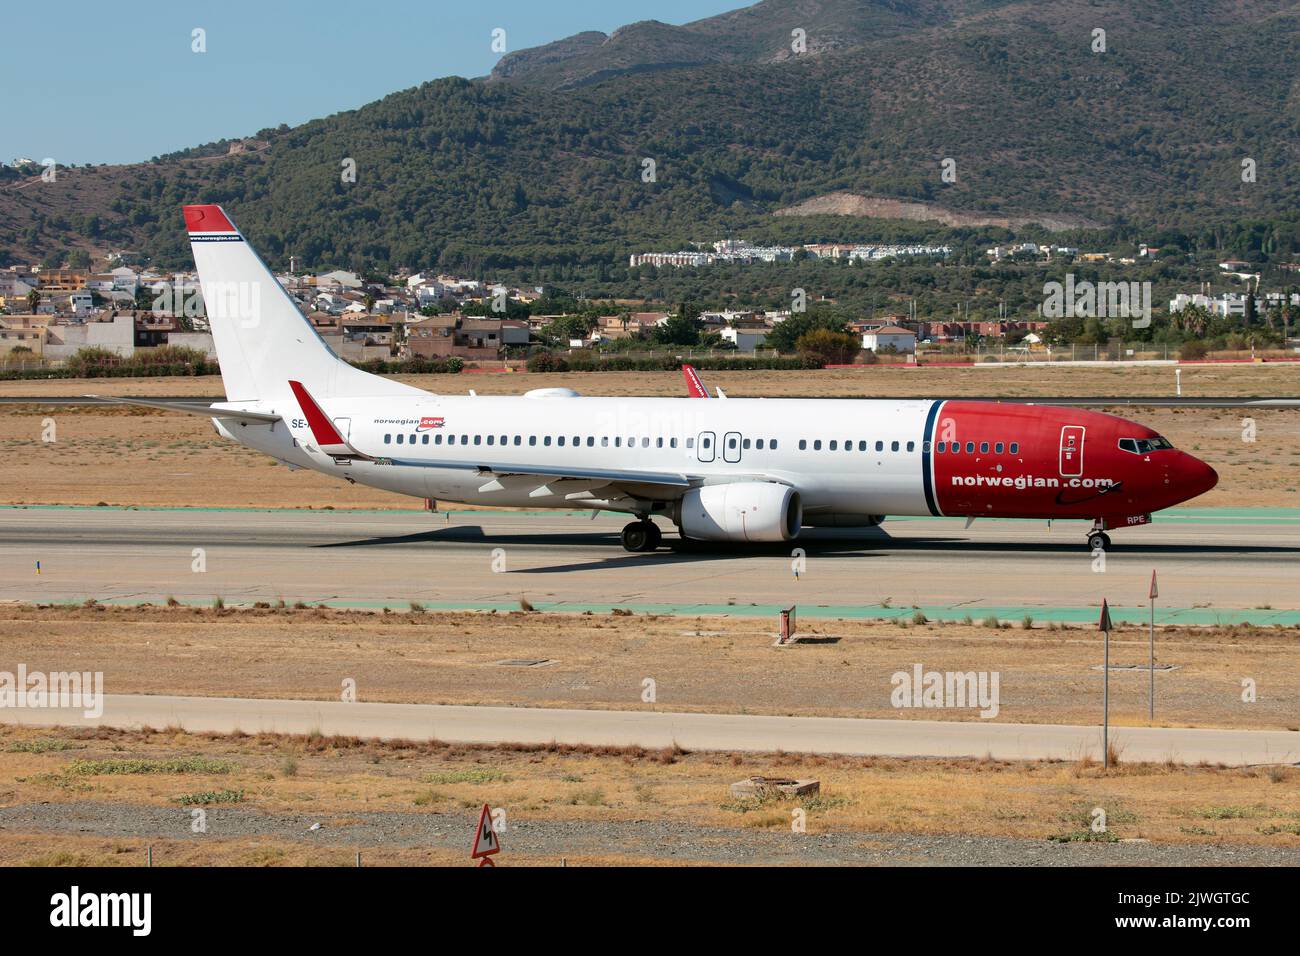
[
  {"x": 1151, "y": 596},
  {"x": 1104, "y": 626}
]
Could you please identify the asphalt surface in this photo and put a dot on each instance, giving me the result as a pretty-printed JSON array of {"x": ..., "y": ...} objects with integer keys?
[
  {"x": 1214, "y": 566},
  {"x": 655, "y": 729}
]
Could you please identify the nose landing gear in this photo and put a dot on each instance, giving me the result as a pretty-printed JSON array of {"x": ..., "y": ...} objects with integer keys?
[
  {"x": 643, "y": 535},
  {"x": 1098, "y": 539}
]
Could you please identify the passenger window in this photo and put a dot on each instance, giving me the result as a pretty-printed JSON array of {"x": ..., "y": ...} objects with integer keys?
[
  {"x": 817, "y": 444},
  {"x": 893, "y": 446},
  {"x": 998, "y": 448},
  {"x": 401, "y": 439},
  {"x": 604, "y": 441},
  {"x": 1015, "y": 447},
  {"x": 645, "y": 442},
  {"x": 970, "y": 448},
  {"x": 941, "y": 447},
  {"x": 803, "y": 444},
  {"x": 759, "y": 444},
  {"x": 516, "y": 439},
  {"x": 911, "y": 446},
  {"x": 862, "y": 446},
  {"x": 591, "y": 441},
  {"x": 832, "y": 445},
  {"x": 690, "y": 443},
  {"x": 424, "y": 439},
  {"x": 388, "y": 439},
  {"x": 745, "y": 443},
  {"x": 618, "y": 442},
  {"x": 672, "y": 443},
  {"x": 659, "y": 443},
  {"x": 925, "y": 446},
  {"x": 437, "y": 439},
  {"x": 492, "y": 439},
  {"x": 532, "y": 439},
  {"x": 546, "y": 439},
  {"x": 880, "y": 446},
  {"x": 560, "y": 441},
  {"x": 478, "y": 439},
  {"x": 984, "y": 448},
  {"x": 772, "y": 445}
]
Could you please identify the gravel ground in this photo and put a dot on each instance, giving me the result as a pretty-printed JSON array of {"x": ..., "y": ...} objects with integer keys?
[{"x": 639, "y": 839}]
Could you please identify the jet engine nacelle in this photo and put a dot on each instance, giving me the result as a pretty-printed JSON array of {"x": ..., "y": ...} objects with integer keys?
[{"x": 740, "y": 511}]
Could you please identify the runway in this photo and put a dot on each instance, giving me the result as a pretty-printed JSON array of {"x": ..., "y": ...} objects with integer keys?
[
  {"x": 692, "y": 732},
  {"x": 1077, "y": 401},
  {"x": 1221, "y": 566}
]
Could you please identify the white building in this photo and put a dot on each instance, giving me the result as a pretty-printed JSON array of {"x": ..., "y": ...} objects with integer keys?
[
  {"x": 745, "y": 339},
  {"x": 882, "y": 337}
]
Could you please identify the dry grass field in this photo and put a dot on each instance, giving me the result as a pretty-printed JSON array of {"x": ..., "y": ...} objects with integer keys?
[
  {"x": 721, "y": 664},
  {"x": 100, "y": 797},
  {"x": 123, "y": 456}
]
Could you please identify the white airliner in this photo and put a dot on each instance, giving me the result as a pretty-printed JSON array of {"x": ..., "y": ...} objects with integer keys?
[{"x": 735, "y": 470}]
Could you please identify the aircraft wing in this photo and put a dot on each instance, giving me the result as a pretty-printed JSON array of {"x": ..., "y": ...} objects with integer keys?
[
  {"x": 541, "y": 476},
  {"x": 207, "y": 411},
  {"x": 540, "y": 480}
]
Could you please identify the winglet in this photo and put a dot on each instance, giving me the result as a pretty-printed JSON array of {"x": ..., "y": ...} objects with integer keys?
[
  {"x": 694, "y": 384},
  {"x": 322, "y": 429}
]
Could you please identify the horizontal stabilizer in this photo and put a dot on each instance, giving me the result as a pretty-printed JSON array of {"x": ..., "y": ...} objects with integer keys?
[{"x": 207, "y": 411}]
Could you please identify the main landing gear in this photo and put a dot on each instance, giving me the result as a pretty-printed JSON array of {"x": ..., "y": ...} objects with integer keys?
[
  {"x": 1098, "y": 539},
  {"x": 643, "y": 535}
]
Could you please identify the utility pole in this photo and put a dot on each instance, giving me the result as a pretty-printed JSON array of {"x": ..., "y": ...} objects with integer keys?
[
  {"x": 1104, "y": 626},
  {"x": 1151, "y": 596}
]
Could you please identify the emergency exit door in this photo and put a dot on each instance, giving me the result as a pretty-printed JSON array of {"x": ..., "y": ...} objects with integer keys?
[{"x": 1072, "y": 451}]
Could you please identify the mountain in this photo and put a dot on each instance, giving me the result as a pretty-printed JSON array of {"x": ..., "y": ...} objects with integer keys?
[
  {"x": 541, "y": 163},
  {"x": 763, "y": 33}
]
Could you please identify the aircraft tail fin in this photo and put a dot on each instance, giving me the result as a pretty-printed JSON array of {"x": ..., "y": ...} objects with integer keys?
[{"x": 262, "y": 338}]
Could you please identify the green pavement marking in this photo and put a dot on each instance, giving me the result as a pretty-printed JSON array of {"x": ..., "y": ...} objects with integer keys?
[
  {"x": 1138, "y": 614},
  {"x": 1177, "y": 515}
]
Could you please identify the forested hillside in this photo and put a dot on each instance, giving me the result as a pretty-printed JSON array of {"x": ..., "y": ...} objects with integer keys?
[{"x": 542, "y": 164}]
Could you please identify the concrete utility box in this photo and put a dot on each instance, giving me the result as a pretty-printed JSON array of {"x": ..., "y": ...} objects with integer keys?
[{"x": 755, "y": 788}]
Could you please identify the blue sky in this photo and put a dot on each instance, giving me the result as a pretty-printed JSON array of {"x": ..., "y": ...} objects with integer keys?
[{"x": 92, "y": 82}]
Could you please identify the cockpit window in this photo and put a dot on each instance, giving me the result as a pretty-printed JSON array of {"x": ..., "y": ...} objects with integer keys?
[{"x": 1143, "y": 446}]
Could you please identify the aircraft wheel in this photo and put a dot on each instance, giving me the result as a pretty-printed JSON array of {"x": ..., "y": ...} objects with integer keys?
[
  {"x": 640, "y": 536},
  {"x": 1098, "y": 541},
  {"x": 656, "y": 536}
]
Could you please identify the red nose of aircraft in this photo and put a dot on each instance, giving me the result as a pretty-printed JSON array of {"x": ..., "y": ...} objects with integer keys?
[{"x": 1193, "y": 477}]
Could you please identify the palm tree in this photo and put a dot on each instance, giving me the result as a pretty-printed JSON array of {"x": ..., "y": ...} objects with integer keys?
[{"x": 33, "y": 301}]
